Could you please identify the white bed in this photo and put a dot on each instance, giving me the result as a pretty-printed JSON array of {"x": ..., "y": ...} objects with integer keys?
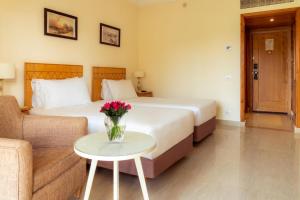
[
  {"x": 168, "y": 126},
  {"x": 110, "y": 84},
  {"x": 203, "y": 109}
]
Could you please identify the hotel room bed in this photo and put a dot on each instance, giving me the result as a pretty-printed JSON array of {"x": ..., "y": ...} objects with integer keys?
[
  {"x": 204, "y": 110},
  {"x": 172, "y": 128},
  {"x": 167, "y": 126}
]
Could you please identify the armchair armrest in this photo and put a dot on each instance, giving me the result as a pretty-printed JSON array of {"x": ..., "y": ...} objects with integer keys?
[
  {"x": 15, "y": 169},
  {"x": 44, "y": 131}
]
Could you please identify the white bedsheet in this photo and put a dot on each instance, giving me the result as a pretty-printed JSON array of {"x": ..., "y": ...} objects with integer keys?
[
  {"x": 167, "y": 126},
  {"x": 203, "y": 109}
]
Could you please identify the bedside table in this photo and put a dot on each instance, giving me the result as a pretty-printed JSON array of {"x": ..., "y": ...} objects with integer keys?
[
  {"x": 25, "y": 110},
  {"x": 145, "y": 94}
]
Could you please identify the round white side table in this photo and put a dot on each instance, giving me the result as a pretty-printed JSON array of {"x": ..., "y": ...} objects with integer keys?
[{"x": 98, "y": 148}]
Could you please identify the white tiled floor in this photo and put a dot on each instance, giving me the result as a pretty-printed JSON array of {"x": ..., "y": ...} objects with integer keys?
[{"x": 234, "y": 163}]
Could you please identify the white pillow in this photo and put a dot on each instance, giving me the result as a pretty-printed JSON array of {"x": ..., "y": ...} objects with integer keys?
[
  {"x": 38, "y": 100},
  {"x": 121, "y": 89},
  {"x": 61, "y": 93},
  {"x": 105, "y": 92}
]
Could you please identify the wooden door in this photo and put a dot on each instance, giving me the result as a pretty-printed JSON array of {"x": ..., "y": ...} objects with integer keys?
[{"x": 271, "y": 70}]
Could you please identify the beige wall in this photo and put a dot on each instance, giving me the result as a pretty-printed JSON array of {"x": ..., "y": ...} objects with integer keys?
[
  {"x": 22, "y": 38},
  {"x": 183, "y": 50}
]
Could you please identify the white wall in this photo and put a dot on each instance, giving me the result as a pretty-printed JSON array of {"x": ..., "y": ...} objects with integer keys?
[
  {"x": 183, "y": 50},
  {"x": 22, "y": 38}
]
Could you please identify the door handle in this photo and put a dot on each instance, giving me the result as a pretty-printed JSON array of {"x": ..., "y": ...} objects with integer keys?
[
  {"x": 255, "y": 76},
  {"x": 255, "y": 71}
]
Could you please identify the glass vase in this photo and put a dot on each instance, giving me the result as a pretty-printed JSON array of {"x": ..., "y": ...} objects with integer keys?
[{"x": 115, "y": 128}]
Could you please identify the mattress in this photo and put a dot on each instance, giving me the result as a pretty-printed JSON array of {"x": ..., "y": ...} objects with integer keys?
[
  {"x": 167, "y": 126},
  {"x": 203, "y": 109}
]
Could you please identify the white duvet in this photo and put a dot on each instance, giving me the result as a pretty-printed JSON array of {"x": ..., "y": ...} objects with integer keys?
[
  {"x": 203, "y": 109},
  {"x": 168, "y": 126}
]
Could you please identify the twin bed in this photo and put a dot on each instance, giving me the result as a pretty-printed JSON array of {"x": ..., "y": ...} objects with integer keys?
[{"x": 175, "y": 124}]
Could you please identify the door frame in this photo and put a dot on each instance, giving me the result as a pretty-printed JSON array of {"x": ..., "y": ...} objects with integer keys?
[{"x": 243, "y": 57}]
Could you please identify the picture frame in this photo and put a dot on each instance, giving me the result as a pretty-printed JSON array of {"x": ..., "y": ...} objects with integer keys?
[
  {"x": 110, "y": 35},
  {"x": 58, "y": 24}
]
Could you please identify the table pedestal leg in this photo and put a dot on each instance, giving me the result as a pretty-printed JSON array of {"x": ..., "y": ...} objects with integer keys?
[
  {"x": 116, "y": 180},
  {"x": 140, "y": 172},
  {"x": 90, "y": 179}
]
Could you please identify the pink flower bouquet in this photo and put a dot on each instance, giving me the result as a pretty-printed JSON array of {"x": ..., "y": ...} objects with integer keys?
[{"x": 114, "y": 112}]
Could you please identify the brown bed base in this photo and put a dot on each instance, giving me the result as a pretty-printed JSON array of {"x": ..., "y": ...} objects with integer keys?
[
  {"x": 204, "y": 130},
  {"x": 153, "y": 168}
]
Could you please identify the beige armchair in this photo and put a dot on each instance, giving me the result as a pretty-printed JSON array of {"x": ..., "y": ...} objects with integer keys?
[{"x": 37, "y": 160}]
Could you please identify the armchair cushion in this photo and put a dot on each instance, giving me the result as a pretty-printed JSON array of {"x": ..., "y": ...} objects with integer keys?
[
  {"x": 50, "y": 163},
  {"x": 65, "y": 186},
  {"x": 43, "y": 131}
]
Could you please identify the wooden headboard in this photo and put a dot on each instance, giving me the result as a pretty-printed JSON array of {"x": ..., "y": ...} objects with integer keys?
[
  {"x": 49, "y": 72},
  {"x": 100, "y": 73}
]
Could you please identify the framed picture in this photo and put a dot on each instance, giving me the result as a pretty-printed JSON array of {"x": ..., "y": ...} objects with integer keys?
[
  {"x": 59, "y": 24},
  {"x": 110, "y": 35}
]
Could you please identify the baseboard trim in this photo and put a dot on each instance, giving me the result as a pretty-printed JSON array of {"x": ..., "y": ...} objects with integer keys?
[
  {"x": 230, "y": 123},
  {"x": 297, "y": 132}
]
